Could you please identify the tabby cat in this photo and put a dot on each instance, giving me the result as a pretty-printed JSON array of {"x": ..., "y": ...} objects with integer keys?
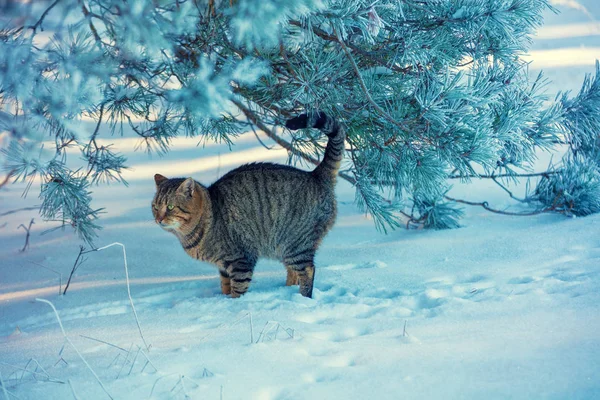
[{"x": 257, "y": 210}]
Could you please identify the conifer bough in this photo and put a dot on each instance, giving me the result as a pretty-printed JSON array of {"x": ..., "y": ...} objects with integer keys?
[{"x": 428, "y": 90}]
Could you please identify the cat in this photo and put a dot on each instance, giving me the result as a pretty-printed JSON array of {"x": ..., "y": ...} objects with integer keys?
[{"x": 257, "y": 210}]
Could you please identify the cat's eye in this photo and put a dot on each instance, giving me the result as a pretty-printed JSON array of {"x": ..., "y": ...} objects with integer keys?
[
  {"x": 155, "y": 207},
  {"x": 170, "y": 207}
]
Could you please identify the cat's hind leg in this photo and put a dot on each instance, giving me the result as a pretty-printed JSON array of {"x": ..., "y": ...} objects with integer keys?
[
  {"x": 292, "y": 277},
  {"x": 306, "y": 279},
  {"x": 302, "y": 264}
]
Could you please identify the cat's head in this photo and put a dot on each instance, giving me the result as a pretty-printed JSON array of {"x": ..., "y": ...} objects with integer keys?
[{"x": 177, "y": 202}]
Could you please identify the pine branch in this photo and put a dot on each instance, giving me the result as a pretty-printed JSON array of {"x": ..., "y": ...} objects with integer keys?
[
  {"x": 283, "y": 53},
  {"x": 28, "y": 230},
  {"x": 365, "y": 90},
  {"x": 331, "y": 38},
  {"x": 92, "y": 140},
  {"x": 7, "y": 178},
  {"x": 78, "y": 261},
  {"x": 544, "y": 174},
  {"x": 38, "y": 24},
  {"x": 267, "y": 106},
  {"x": 486, "y": 206},
  {"x": 512, "y": 196},
  {"x": 392, "y": 79},
  {"x": 93, "y": 29}
]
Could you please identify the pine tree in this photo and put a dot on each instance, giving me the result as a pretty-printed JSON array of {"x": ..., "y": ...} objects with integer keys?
[{"x": 426, "y": 89}]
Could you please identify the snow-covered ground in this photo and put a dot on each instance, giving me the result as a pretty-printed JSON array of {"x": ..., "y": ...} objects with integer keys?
[{"x": 505, "y": 307}]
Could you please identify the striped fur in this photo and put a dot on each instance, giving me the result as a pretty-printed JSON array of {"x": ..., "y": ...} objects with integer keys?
[{"x": 257, "y": 210}]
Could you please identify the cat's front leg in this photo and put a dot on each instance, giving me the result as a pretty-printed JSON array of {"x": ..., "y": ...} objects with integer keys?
[
  {"x": 225, "y": 282},
  {"x": 240, "y": 275}
]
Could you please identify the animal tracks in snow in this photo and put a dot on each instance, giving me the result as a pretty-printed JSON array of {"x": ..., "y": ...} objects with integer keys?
[
  {"x": 565, "y": 275},
  {"x": 367, "y": 265},
  {"x": 350, "y": 325},
  {"x": 342, "y": 335},
  {"x": 336, "y": 302},
  {"x": 395, "y": 317}
]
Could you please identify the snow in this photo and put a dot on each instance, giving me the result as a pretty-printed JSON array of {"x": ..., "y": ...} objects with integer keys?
[{"x": 504, "y": 307}]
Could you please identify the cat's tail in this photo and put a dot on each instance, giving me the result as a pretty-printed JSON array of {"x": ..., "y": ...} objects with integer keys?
[{"x": 334, "y": 152}]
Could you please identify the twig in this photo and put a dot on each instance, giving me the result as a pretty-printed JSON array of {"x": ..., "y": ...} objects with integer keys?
[
  {"x": 258, "y": 138},
  {"x": 156, "y": 382},
  {"x": 262, "y": 331},
  {"x": 76, "y": 265},
  {"x": 128, "y": 288},
  {"x": 102, "y": 341},
  {"x": 225, "y": 325},
  {"x": 73, "y": 346},
  {"x": 41, "y": 20},
  {"x": 251, "y": 330},
  {"x": 27, "y": 229},
  {"x": 34, "y": 373},
  {"x": 544, "y": 174},
  {"x": 509, "y": 192},
  {"x": 73, "y": 390},
  {"x": 270, "y": 326},
  {"x": 86, "y": 14},
  {"x": 56, "y": 272},
  {"x": 181, "y": 382},
  {"x": 3, "y": 387},
  {"x": 37, "y": 365},
  {"x": 125, "y": 362},
  {"x": 64, "y": 144},
  {"x": 20, "y": 209},
  {"x": 486, "y": 206},
  {"x": 114, "y": 361},
  {"x": 184, "y": 378},
  {"x": 60, "y": 359},
  {"x": 93, "y": 140},
  {"x": 13, "y": 395},
  {"x": 6, "y": 178},
  {"x": 283, "y": 54},
  {"x": 134, "y": 360},
  {"x": 80, "y": 261},
  {"x": 147, "y": 361}
]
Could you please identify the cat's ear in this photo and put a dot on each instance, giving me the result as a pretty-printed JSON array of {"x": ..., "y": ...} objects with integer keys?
[
  {"x": 158, "y": 178},
  {"x": 187, "y": 187}
]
